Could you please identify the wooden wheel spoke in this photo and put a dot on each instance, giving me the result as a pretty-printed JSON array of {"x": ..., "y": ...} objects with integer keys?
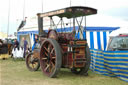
[
  {"x": 44, "y": 58},
  {"x": 53, "y": 66},
  {"x": 32, "y": 66},
  {"x": 35, "y": 63},
  {"x": 49, "y": 47},
  {"x": 46, "y": 54},
  {"x": 53, "y": 57},
  {"x": 45, "y": 49},
  {"x": 52, "y": 51},
  {"x": 47, "y": 66},
  {"x": 52, "y": 54},
  {"x": 50, "y": 67}
]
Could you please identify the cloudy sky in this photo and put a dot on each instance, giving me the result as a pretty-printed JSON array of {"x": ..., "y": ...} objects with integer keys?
[{"x": 107, "y": 10}]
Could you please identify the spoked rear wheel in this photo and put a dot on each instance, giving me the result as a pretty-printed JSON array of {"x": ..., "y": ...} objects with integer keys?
[
  {"x": 85, "y": 69},
  {"x": 32, "y": 63},
  {"x": 50, "y": 57}
]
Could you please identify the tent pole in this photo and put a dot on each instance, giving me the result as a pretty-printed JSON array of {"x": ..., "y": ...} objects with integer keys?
[{"x": 8, "y": 20}]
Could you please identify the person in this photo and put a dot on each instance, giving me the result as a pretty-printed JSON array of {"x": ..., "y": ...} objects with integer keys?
[
  {"x": 35, "y": 42},
  {"x": 16, "y": 44},
  {"x": 25, "y": 46}
]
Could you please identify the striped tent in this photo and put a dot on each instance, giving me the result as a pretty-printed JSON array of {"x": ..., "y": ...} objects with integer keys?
[{"x": 97, "y": 37}]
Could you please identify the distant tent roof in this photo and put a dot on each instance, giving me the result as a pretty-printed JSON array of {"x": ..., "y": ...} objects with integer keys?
[{"x": 70, "y": 29}]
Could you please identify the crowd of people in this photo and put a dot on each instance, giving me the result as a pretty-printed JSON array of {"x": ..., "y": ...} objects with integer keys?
[
  {"x": 20, "y": 51},
  {"x": 17, "y": 51}
]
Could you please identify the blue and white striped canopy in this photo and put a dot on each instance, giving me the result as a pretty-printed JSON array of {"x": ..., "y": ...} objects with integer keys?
[{"x": 97, "y": 37}]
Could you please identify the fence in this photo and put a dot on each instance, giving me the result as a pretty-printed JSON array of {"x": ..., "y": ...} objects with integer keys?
[{"x": 110, "y": 63}]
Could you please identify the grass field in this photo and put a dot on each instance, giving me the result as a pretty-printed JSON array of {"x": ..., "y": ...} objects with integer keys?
[{"x": 15, "y": 73}]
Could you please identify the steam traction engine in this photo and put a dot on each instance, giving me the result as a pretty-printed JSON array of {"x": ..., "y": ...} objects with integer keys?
[{"x": 59, "y": 48}]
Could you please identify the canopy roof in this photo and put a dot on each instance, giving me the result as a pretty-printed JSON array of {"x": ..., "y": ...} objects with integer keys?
[{"x": 70, "y": 12}]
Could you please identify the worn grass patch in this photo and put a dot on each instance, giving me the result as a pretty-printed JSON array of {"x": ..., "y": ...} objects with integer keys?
[{"x": 15, "y": 73}]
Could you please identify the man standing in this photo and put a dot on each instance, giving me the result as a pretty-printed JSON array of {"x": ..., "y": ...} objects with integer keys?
[
  {"x": 16, "y": 44},
  {"x": 25, "y": 46}
]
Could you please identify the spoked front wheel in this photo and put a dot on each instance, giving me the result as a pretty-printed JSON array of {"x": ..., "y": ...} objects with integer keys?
[
  {"x": 32, "y": 63},
  {"x": 50, "y": 57}
]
